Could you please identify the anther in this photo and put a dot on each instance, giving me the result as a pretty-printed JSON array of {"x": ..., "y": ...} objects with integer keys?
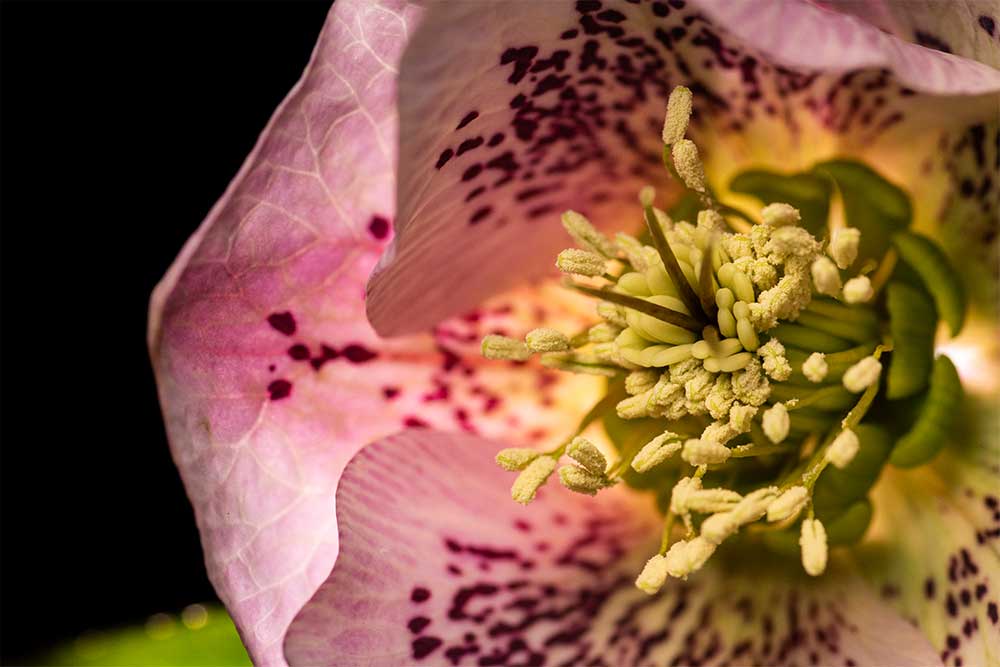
[
  {"x": 812, "y": 540},
  {"x": 532, "y": 478},
  {"x": 862, "y": 375},
  {"x": 678, "y": 114},
  {"x": 586, "y": 235},
  {"x": 815, "y": 367},
  {"x": 746, "y": 333},
  {"x": 843, "y": 449},
  {"x": 578, "y": 262},
  {"x": 516, "y": 458},
  {"x": 690, "y": 556},
  {"x": 775, "y": 364},
  {"x": 825, "y": 276},
  {"x": 613, "y": 313},
  {"x": 705, "y": 452},
  {"x": 544, "y": 339},
  {"x": 647, "y": 195},
  {"x": 858, "y": 290},
  {"x": 653, "y": 575},
  {"x": 788, "y": 504},
  {"x": 688, "y": 164},
  {"x": 602, "y": 333},
  {"x": 656, "y": 451},
  {"x": 640, "y": 381},
  {"x": 844, "y": 245},
  {"x": 503, "y": 348},
  {"x": 583, "y": 481},
  {"x": 585, "y": 453},
  {"x": 779, "y": 215},
  {"x": 775, "y": 423}
]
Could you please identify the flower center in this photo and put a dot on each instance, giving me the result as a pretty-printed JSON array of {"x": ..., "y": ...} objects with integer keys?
[{"x": 740, "y": 364}]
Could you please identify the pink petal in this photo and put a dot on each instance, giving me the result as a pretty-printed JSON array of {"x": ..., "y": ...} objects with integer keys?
[
  {"x": 438, "y": 566},
  {"x": 269, "y": 375},
  {"x": 968, "y": 28},
  {"x": 559, "y": 105}
]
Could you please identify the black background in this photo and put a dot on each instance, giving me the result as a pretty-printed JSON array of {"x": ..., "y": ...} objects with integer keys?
[{"x": 121, "y": 125}]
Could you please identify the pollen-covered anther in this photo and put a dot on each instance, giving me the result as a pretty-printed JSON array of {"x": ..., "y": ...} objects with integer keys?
[
  {"x": 688, "y": 556},
  {"x": 858, "y": 290},
  {"x": 516, "y": 458},
  {"x": 635, "y": 407},
  {"x": 705, "y": 452},
  {"x": 843, "y": 449},
  {"x": 844, "y": 245},
  {"x": 709, "y": 501},
  {"x": 544, "y": 339},
  {"x": 586, "y": 235},
  {"x": 647, "y": 195},
  {"x": 642, "y": 380},
  {"x": 613, "y": 313},
  {"x": 776, "y": 423},
  {"x": 603, "y": 333},
  {"x": 675, "y": 123},
  {"x": 587, "y": 454},
  {"x": 688, "y": 164},
  {"x": 825, "y": 276},
  {"x": 719, "y": 527},
  {"x": 578, "y": 262},
  {"x": 502, "y": 348},
  {"x": 653, "y": 576},
  {"x": 815, "y": 367},
  {"x": 741, "y": 417},
  {"x": 775, "y": 364},
  {"x": 580, "y": 480},
  {"x": 788, "y": 504},
  {"x": 780, "y": 215},
  {"x": 812, "y": 540},
  {"x": 754, "y": 504},
  {"x": 862, "y": 375},
  {"x": 656, "y": 451},
  {"x": 532, "y": 478}
]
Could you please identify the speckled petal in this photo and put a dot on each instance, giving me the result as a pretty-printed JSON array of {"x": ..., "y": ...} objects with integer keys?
[
  {"x": 559, "y": 105},
  {"x": 438, "y": 566},
  {"x": 269, "y": 375}
]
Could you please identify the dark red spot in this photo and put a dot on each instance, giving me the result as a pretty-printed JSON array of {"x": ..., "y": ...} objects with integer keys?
[
  {"x": 379, "y": 227},
  {"x": 472, "y": 172},
  {"x": 420, "y": 594},
  {"x": 357, "y": 354},
  {"x": 424, "y": 646},
  {"x": 988, "y": 24},
  {"x": 991, "y": 611},
  {"x": 282, "y": 322},
  {"x": 495, "y": 139},
  {"x": 298, "y": 352},
  {"x": 444, "y": 157},
  {"x": 469, "y": 117},
  {"x": 418, "y": 623},
  {"x": 326, "y": 353},
  {"x": 390, "y": 392},
  {"x": 415, "y": 422},
  {"x": 480, "y": 214},
  {"x": 279, "y": 389},
  {"x": 469, "y": 144}
]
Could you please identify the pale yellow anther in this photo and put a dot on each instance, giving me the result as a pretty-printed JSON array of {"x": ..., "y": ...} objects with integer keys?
[
  {"x": 647, "y": 195},
  {"x": 678, "y": 114},
  {"x": 705, "y": 452},
  {"x": 718, "y": 527},
  {"x": 844, "y": 245},
  {"x": 812, "y": 540},
  {"x": 741, "y": 417},
  {"x": 653, "y": 575},
  {"x": 741, "y": 310},
  {"x": 775, "y": 423},
  {"x": 754, "y": 505},
  {"x": 815, "y": 367},
  {"x": 544, "y": 339},
  {"x": 656, "y": 451},
  {"x": 708, "y": 501},
  {"x": 843, "y": 449},
  {"x": 586, "y": 235},
  {"x": 580, "y": 262},
  {"x": 779, "y": 215},
  {"x": 688, "y": 164},
  {"x": 582, "y": 481},
  {"x": 710, "y": 222},
  {"x": 825, "y": 276},
  {"x": 858, "y": 290},
  {"x": 742, "y": 286},
  {"x": 516, "y": 458},
  {"x": 613, "y": 313},
  {"x": 727, "y": 323},
  {"x": 772, "y": 354},
  {"x": 633, "y": 250},
  {"x": 688, "y": 556},
  {"x": 504, "y": 348},
  {"x": 639, "y": 381},
  {"x": 635, "y": 407},
  {"x": 862, "y": 375},
  {"x": 788, "y": 504},
  {"x": 532, "y": 478},
  {"x": 751, "y": 385},
  {"x": 730, "y": 364},
  {"x": 747, "y": 334},
  {"x": 587, "y": 454},
  {"x": 724, "y": 298},
  {"x": 603, "y": 333}
]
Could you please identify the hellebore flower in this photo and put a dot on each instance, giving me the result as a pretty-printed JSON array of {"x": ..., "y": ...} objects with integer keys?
[{"x": 275, "y": 368}]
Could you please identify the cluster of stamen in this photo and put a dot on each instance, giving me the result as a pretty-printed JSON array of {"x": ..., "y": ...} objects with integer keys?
[{"x": 697, "y": 321}]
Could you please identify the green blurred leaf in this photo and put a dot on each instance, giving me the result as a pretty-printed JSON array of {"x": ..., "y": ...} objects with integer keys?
[
  {"x": 200, "y": 636},
  {"x": 810, "y": 193}
]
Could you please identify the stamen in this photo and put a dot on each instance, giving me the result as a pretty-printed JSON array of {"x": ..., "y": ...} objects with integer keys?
[
  {"x": 532, "y": 478},
  {"x": 516, "y": 458},
  {"x": 844, "y": 245},
  {"x": 544, "y": 339},
  {"x": 648, "y": 307},
  {"x": 574, "y": 261},
  {"x": 653, "y": 575},
  {"x": 843, "y": 449},
  {"x": 678, "y": 114},
  {"x": 586, "y": 235},
  {"x": 788, "y": 504},
  {"x": 688, "y": 164},
  {"x": 502, "y": 348},
  {"x": 689, "y": 556},
  {"x": 587, "y": 455},
  {"x": 858, "y": 290},
  {"x": 815, "y": 367},
  {"x": 583, "y": 481},
  {"x": 780, "y": 215},
  {"x": 602, "y": 333},
  {"x": 862, "y": 375},
  {"x": 670, "y": 264},
  {"x": 825, "y": 276},
  {"x": 775, "y": 423},
  {"x": 812, "y": 540},
  {"x": 705, "y": 452},
  {"x": 656, "y": 451}
]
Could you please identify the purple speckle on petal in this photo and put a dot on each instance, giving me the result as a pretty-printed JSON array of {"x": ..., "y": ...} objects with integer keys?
[
  {"x": 282, "y": 322},
  {"x": 298, "y": 352},
  {"x": 988, "y": 24},
  {"x": 357, "y": 354},
  {"x": 379, "y": 227},
  {"x": 424, "y": 646},
  {"x": 420, "y": 594},
  {"x": 469, "y": 117},
  {"x": 279, "y": 389}
]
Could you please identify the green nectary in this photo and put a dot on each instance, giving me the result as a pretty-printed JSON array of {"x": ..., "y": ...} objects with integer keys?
[{"x": 745, "y": 383}]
